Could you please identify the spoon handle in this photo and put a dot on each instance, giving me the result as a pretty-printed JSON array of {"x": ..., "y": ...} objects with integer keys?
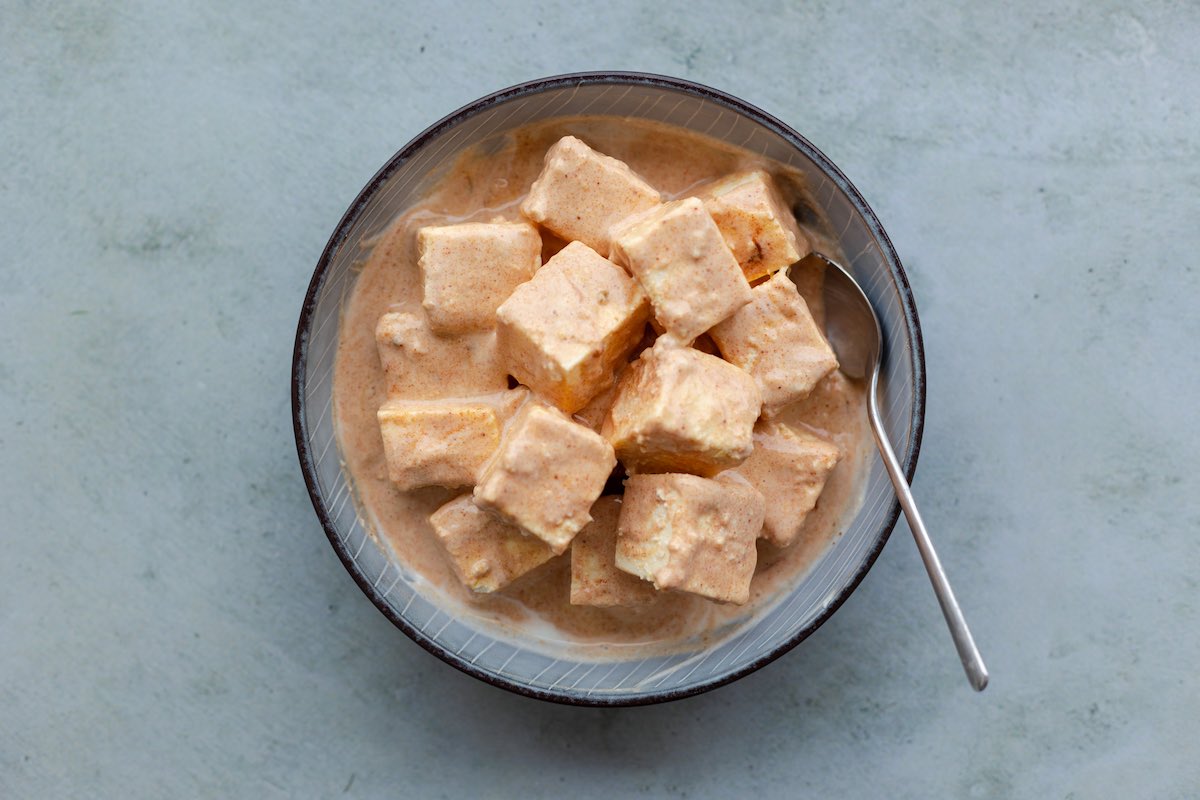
[{"x": 972, "y": 661}]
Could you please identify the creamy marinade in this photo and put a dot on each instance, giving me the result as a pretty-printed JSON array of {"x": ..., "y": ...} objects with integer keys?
[{"x": 482, "y": 187}]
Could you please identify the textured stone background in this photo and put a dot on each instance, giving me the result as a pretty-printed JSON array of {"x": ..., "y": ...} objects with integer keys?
[{"x": 173, "y": 622}]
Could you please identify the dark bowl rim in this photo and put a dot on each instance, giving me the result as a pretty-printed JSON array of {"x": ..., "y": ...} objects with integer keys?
[{"x": 300, "y": 351}]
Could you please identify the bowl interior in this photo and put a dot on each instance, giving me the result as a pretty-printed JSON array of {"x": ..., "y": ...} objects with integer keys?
[{"x": 533, "y": 667}]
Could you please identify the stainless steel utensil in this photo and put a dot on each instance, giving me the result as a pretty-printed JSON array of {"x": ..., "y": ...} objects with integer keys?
[{"x": 856, "y": 337}]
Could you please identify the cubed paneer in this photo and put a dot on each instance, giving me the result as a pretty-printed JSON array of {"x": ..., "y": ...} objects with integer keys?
[
  {"x": 790, "y": 466},
  {"x": 467, "y": 270},
  {"x": 437, "y": 443},
  {"x": 581, "y": 194},
  {"x": 678, "y": 256},
  {"x": 546, "y": 474},
  {"x": 755, "y": 222},
  {"x": 775, "y": 339},
  {"x": 690, "y": 533},
  {"x": 420, "y": 365},
  {"x": 565, "y": 332},
  {"x": 595, "y": 579},
  {"x": 680, "y": 410},
  {"x": 486, "y": 553}
]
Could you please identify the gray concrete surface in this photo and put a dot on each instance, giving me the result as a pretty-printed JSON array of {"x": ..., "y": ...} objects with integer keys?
[{"x": 172, "y": 620}]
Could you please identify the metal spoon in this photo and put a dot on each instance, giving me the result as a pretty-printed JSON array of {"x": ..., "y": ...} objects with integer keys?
[{"x": 856, "y": 337}]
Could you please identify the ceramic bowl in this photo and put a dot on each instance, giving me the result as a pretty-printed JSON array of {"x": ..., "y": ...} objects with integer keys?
[{"x": 533, "y": 667}]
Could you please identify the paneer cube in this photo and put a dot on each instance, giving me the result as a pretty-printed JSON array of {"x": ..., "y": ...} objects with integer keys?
[
  {"x": 486, "y": 553},
  {"x": 546, "y": 474},
  {"x": 581, "y": 194},
  {"x": 467, "y": 270},
  {"x": 755, "y": 222},
  {"x": 678, "y": 256},
  {"x": 775, "y": 339},
  {"x": 690, "y": 533},
  {"x": 437, "y": 443},
  {"x": 595, "y": 579},
  {"x": 790, "y": 466},
  {"x": 564, "y": 333},
  {"x": 420, "y": 365},
  {"x": 680, "y": 410}
]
